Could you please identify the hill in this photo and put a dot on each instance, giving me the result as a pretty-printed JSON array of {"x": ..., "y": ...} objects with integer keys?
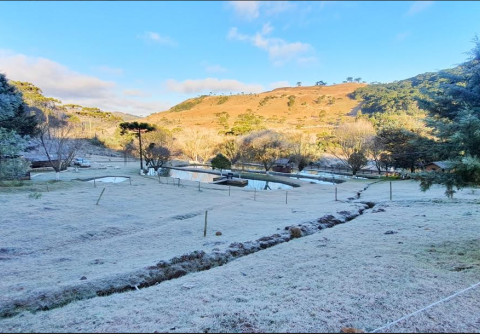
[{"x": 310, "y": 108}]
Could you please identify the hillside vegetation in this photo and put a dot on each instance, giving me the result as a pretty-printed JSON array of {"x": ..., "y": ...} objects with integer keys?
[{"x": 311, "y": 109}]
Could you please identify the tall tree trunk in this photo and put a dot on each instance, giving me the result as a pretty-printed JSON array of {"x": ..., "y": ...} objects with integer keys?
[{"x": 141, "y": 151}]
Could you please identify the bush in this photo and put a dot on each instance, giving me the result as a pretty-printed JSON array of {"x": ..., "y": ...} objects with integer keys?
[
  {"x": 291, "y": 100},
  {"x": 222, "y": 100},
  {"x": 221, "y": 162},
  {"x": 35, "y": 195},
  {"x": 97, "y": 142}
]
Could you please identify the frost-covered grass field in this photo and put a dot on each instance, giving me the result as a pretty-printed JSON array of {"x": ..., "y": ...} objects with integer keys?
[{"x": 351, "y": 275}]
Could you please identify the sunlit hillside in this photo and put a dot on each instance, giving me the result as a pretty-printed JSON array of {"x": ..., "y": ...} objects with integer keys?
[{"x": 310, "y": 108}]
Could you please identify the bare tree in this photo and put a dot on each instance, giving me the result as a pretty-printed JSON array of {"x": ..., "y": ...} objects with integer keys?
[
  {"x": 352, "y": 140},
  {"x": 377, "y": 151},
  {"x": 58, "y": 145},
  {"x": 303, "y": 148},
  {"x": 265, "y": 147},
  {"x": 198, "y": 144},
  {"x": 230, "y": 148}
]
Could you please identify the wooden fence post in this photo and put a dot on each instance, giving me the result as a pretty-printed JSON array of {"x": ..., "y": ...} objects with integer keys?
[
  {"x": 101, "y": 195},
  {"x": 205, "y": 229}
]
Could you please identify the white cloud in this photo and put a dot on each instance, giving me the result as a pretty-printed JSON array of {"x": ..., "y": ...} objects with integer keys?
[
  {"x": 279, "y": 50},
  {"x": 154, "y": 37},
  {"x": 279, "y": 84},
  {"x": 250, "y": 10},
  {"x": 246, "y": 9},
  {"x": 419, "y": 6},
  {"x": 277, "y": 7},
  {"x": 135, "y": 93},
  {"x": 215, "y": 69},
  {"x": 58, "y": 81},
  {"x": 211, "y": 85},
  {"x": 53, "y": 78}
]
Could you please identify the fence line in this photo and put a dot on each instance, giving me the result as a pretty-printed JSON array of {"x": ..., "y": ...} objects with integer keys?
[{"x": 425, "y": 308}]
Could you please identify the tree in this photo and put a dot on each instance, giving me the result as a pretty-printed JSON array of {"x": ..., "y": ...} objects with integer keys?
[
  {"x": 303, "y": 148},
  {"x": 156, "y": 156},
  {"x": 13, "y": 112},
  {"x": 377, "y": 151},
  {"x": 299, "y": 84},
  {"x": 221, "y": 162},
  {"x": 137, "y": 128},
  {"x": 358, "y": 80},
  {"x": 352, "y": 139},
  {"x": 230, "y": 148},
  {"x": 406, "y": 148},
  {"x": 349, "y": 79},
  {"x": 265, "y": 147},
  {"x": 58, "y": 146},
  {"x": 357, "y": 161},
  {"x": 320, "y": 83},
  {"x": 12, "y": 166},
  {"x": 199, "y": 144}
]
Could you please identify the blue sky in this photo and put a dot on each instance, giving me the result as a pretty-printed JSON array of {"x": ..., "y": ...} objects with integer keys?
[{"x": 143, "y": 57}]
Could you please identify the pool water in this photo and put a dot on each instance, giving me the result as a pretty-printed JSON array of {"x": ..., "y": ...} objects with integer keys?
[{"x": 207, "y": 178}]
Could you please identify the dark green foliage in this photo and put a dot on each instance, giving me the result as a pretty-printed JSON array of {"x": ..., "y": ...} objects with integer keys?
[
  {"x": 457, "y": 123},
  {"x": 97, "y": 142},
  {"x": 302, "y": 163},
  {"x": 265, "y": 100},
  {"x": 137, "y": 129},
  {"x": 406, "y": 149},
  {"x": 357, "y": 161},
  {"x": 156, "y": 156},
  {"x": 187, "y": 105},
  {"x": 222, "y": 100},
  {"x": 222, "y": 120},
  {"x": 98, "y": 113},
  {"x": 248, "y": 122},
  {"x": 13, "y": 111},
  {"x": 291, "y": 100},
  {"x": 221, "y": 162}
]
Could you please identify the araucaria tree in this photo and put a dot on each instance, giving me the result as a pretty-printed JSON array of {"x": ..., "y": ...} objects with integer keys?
[{"x": 138, "y": 129}]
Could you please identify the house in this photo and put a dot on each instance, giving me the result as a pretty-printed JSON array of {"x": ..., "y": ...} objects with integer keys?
[
  {"x": 283, "y": 166},
  {"x": 440, "y": 166}
]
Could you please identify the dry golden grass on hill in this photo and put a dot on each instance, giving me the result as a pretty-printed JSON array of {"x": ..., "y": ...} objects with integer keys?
[{"x": 314, "y": 109}]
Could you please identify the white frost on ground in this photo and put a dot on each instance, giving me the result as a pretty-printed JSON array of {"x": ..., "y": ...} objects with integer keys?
[{"x": 353, "y": 275}]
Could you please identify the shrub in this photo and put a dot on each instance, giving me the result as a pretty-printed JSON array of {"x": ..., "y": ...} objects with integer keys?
[
  {"x": 221, "y": 162},
  {"x": 291, "y": 100},
  {"x": 35, "y": 195},
  {"x": 222, "y": 100},
  {"x": 295, "y": 232}
]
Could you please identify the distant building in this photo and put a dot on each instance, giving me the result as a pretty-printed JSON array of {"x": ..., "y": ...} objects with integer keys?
[
  {"x": 439, "y": 166},
  {"x": 283, "y": 166}
]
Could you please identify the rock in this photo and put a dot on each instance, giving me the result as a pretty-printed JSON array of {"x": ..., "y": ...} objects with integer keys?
[
  {"x": 218, "y": 233},
  {"x": 83, "y": 278},
  {"x": 391, "y": 232},
  {"x": 179, "y": 273},
  {"x": 295, "y": 232}
]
